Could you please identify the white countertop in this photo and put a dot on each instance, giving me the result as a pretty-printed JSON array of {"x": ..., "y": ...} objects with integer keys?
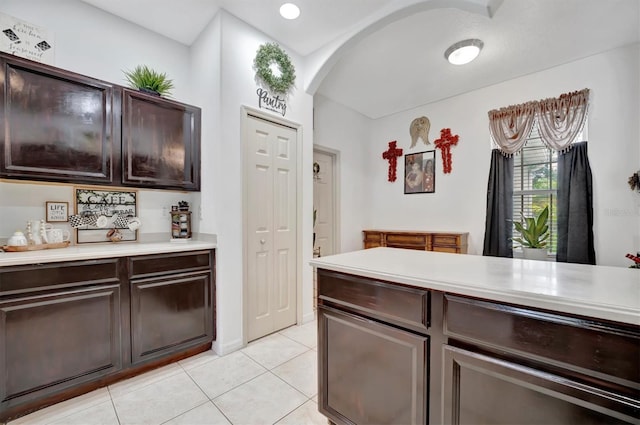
[
  {"x": 611, "y": 293},
  {"x": 104, "y": 250}
]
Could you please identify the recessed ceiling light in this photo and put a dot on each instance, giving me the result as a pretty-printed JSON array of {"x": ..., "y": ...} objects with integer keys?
[
  {"x": 289, "y": 11},
  {"x": 464, "y": 51}
]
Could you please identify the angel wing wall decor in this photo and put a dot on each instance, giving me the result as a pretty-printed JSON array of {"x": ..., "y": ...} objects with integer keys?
[{"x": 419, "y": 129}]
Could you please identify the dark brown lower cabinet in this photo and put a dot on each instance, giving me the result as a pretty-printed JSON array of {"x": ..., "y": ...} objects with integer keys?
[
  {"x": 371, "y": 373},
  {"x": 397, "y": 354},
  {"x": 508, "y": 364},
  {"x": 68, "y": 328},
  {"x": 57, "y": 340},
  {"x": 480, "y": 389},
  {"x": 170, "y": 313}
]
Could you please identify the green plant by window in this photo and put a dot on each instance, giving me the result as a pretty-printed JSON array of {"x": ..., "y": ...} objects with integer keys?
[
  {"x": 534, "y": 231},
  {"x": 144, "y": 78}
]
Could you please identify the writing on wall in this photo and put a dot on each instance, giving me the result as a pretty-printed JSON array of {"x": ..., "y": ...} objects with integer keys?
[{"x": 26, "y": 40}]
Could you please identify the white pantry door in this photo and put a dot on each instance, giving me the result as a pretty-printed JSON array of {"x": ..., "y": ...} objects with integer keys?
[
  {"x": 271, "y": 225},
  {"x": 324, "y": 202}
]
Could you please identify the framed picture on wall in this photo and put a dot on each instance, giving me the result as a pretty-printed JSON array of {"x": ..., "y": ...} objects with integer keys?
[
  {"x": 420, "y": 172},
  {"x": 104, "y": 215},
  {"x": 57, "y": 211}
]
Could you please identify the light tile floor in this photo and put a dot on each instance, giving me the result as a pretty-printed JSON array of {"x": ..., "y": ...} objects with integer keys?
[{"x": 271, "y": 381}]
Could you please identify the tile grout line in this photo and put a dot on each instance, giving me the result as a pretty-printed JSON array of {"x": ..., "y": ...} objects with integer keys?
[
  {"x": 114, "y": 405},
  {"x": 184, "y": 413},
  {"x": 295, "y": 408},
  {"x": 230, "y": 389}
]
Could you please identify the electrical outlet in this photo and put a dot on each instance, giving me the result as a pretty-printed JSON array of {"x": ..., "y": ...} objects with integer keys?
[
  {"x": 199, "y": 212},
  {"x": 165, "y": 211}
]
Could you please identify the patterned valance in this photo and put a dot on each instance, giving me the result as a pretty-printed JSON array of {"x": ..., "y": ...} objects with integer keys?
[{"x": 559, "y": 120}]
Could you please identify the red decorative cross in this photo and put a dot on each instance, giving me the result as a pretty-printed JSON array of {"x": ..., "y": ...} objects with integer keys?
[
  {"x": 392, "y": 155},
  {"x": 444, "y": 144}
]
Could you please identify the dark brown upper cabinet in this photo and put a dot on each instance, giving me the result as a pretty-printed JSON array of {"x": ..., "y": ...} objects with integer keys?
[
  {"x": 56, "y": 125},
  {"x": 60, "y": 126},
  {"x": 160, "y": 142}
]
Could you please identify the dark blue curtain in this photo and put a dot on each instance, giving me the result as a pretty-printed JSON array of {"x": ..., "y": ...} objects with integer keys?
[
  {"x": 499, "y": 221},
  {"x": 575, "y": 207}
]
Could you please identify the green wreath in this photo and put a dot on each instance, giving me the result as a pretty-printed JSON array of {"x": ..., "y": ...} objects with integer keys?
[{"x": 268, "y": 54}]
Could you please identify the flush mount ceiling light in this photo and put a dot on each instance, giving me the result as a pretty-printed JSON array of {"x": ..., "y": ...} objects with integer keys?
[
  {"x": 464, "y": 51},
  {"x": 289, "y": 11}
]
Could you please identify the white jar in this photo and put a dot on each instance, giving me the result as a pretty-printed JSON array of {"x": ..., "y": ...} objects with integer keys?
[{"x": 17, "y": 239}]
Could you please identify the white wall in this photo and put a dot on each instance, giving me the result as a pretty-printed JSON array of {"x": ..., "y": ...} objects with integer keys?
[
  {"x": 233, "y": 86},
  {"x": 216, "y": 73},
  {"x": 90, "y": 41},
  {"x": 348, "y": 132},
  {"x": 459, "y": 203}
]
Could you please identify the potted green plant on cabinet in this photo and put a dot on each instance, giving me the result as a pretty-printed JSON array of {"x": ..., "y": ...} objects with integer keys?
[
  {"x": 534, "y": 232},
  {"x": 147, "y": 80}
]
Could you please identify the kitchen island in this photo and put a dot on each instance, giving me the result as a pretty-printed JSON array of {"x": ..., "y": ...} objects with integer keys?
[
  {"x": 78, "y": 318},
  {"x": 425, "y": 337}
]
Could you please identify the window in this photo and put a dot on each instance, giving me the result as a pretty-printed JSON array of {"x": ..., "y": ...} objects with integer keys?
[
  {"x": 535, "y": 183},
  {"x": 535, "y": 177}
]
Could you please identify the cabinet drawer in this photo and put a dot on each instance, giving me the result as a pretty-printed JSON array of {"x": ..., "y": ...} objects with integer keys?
[
  {"x": 372, "y": 236},
  {"x": 445, "y": 240},
  {"x": 23, "y": 279},
  {"x": 601, "y": 347},
  {"x": 403, "y": 306},
  {"x": 400, "y": 239},
  {"x": 372, "y": 239},
  {"x": 451, "y": 249},
  {"x": 160, "y": 264}
]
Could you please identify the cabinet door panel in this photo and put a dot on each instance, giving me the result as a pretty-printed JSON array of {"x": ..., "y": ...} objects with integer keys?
[
  {"x": 370, "y": 373},
  {"x": 52, "y": 342},
  {"x": 170, "y": 314},
  {"x": 54, "y": 125},
  {"x": 160, "y": 142},
  {"x": 481, "y": 389}
]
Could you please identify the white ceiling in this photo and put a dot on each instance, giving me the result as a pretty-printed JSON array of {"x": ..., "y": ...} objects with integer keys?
[{"x": 402, "y": 66}]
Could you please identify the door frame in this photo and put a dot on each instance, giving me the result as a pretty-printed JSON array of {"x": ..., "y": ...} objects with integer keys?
[
  {"x": 335, "y": 191},
  {"x": 246, "y": 112}
]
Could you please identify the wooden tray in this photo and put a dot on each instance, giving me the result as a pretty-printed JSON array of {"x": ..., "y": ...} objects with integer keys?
[{"x": 13, "y": 248}]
